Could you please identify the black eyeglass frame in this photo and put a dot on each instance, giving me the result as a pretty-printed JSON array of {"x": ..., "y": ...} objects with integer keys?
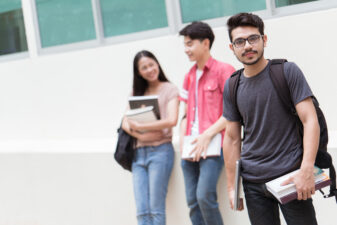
[{"x": 258, "y": 36}]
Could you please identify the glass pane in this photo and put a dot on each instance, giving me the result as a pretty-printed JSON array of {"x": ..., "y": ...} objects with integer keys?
[
  {"x": 193, "y": 10},
  {"x": 9, "y": 5},
  {"x": 65, "y": 21},
  {"x": 12, "y": 28},
  {"x": 280, "y": 3},
  {"x": 128, "y": 16}
]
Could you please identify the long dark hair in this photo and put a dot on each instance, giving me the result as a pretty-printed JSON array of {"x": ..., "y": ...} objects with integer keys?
[{"x": 139, "y": 83}]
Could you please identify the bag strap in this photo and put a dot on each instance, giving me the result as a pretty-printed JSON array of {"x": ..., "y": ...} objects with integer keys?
[
  {"x": 234, "y": 81},
  {"x": 333, "y": 190},
  {"x": 282, "y": 89},
  {"x": 280, "y": 84}
]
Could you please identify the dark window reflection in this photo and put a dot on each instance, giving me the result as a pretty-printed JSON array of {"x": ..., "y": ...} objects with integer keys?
[
  {"x": 280, "y": 3},
  {"x": 12, "y": 32}
]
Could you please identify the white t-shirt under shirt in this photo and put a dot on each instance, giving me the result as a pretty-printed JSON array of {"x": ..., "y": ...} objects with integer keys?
[{"x": 195, "y": 125}]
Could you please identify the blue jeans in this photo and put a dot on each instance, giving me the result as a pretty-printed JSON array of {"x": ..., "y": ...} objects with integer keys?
[
  {"x": 201, "y": 179},
  {"x": 263, "y": 208},
  {"x": 151, "y": 170}
]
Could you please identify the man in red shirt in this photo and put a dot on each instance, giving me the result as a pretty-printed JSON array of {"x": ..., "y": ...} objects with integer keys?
[{"x": 202, "y": 92}]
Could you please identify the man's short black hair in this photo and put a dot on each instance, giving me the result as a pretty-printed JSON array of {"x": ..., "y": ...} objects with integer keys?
[
  {"x": 198, "y": 30},
  {"x": 244, "y": 19}
]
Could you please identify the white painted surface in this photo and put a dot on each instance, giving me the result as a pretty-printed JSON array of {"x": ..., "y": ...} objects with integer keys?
[
  {"x": 72, "y": 102},
  {"x": 82, "y": 94},
  {"x": 91, "y": 189}
]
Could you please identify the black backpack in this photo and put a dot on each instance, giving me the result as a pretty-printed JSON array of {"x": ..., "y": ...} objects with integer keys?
[
  {"x": 125, "y": 149},
  {"x": 323, "y": 158}
]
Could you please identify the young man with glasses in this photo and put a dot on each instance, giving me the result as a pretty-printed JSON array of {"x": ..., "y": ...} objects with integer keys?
[
  {"x": 272, "y": 146},
  {"x": 202, "y": 92}
]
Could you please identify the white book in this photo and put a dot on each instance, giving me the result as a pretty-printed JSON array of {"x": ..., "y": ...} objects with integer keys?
[
  {"x": 288, "y": 192},
  {"x": 142, "y": 115},
  {"x": 214, "y": 147},
  {"x": 237, "y": 185}
]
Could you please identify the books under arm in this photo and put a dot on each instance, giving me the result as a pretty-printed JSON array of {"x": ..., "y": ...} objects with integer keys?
[
  {"x": 143, "y": 101},
  {"x": 287, "y": 193},
  {"x": 142, "y": 115},
  {"x": 213, "y": 149}
]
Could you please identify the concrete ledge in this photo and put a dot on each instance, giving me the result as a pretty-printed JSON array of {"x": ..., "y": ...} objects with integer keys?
[
  {"x": 90, "y": 188},
  {"x": 88, "y": 145},
  {"x": 77, "y": 182}
]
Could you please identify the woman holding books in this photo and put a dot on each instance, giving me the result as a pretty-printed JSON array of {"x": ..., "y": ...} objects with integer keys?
[{"x": 154, "y": 154}]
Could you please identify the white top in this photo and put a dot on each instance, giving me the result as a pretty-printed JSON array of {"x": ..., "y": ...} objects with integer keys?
[{"x": 195, "y": 125}]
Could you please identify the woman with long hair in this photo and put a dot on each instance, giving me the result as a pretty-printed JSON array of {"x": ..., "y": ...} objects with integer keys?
[{"x": 154, "y": 154}]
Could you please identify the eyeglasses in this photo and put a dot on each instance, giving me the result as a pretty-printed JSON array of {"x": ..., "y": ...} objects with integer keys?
[{"x": 252, "y": 39}]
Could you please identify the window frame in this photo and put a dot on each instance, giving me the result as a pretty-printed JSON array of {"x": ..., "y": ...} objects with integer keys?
[
  {"x": 272, "y": 11},
  {"x": 18, "y": 55},
  {"x": 221, "y": 21},
  {"x": 174, "y": 19},
  {"x": 301, "y": 8},
  {"x": 99, "y": 31},
  {"x": 63, "y": 47},
  {"x": 14, "y": 56}
]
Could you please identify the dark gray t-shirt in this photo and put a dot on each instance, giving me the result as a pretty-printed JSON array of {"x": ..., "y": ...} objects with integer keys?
[{"x": 272, "y": 145}]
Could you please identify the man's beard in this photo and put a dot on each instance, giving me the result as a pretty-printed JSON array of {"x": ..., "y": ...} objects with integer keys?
[{"x": 251, "y": 63}]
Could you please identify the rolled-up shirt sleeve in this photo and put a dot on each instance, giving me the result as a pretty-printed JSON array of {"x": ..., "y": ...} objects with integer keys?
[{"x": 183, "y": 95}]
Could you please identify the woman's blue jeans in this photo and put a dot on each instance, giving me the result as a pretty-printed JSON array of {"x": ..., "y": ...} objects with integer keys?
[
  {"x": 151, "y": 170},
  {"x": 201, "y": 179}
]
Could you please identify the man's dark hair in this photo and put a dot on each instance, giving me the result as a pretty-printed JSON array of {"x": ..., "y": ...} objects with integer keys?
[
  {"x": 198, "y": 31},
  {"x": 244, "y": 19}
]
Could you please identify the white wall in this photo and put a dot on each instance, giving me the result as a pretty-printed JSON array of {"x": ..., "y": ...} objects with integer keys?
[
  {"x": 73, "y": 102},
  {"x": 82, "y": 94},
  {"x": 91, "y": 189}
]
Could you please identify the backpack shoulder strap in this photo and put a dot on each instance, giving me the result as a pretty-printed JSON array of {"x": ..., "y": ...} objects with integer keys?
[
  {"x": 282, "y": 89},
  {"x": 280, "y": 84},
  {"x": 234, "y": 81}
]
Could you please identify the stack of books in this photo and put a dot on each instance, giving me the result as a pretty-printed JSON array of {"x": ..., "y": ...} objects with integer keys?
[
  {"x": 287, "y": 193},
  {"x": 142, "y": 115},
  {"x": 143, "y": 109}
]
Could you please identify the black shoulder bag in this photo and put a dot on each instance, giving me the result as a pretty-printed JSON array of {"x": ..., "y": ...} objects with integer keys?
[{"x": 125, "y": 149}]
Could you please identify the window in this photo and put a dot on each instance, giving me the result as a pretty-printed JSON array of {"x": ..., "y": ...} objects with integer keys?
[
  {"x": 12, "y": 29},
  {"x": 129, "y": 16},
  {"x": 95, "y": 22},
  {"x": 280, "y": 3},
  {"x": 192, "y": 10},
  {"x": 65, "y": 21}
]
